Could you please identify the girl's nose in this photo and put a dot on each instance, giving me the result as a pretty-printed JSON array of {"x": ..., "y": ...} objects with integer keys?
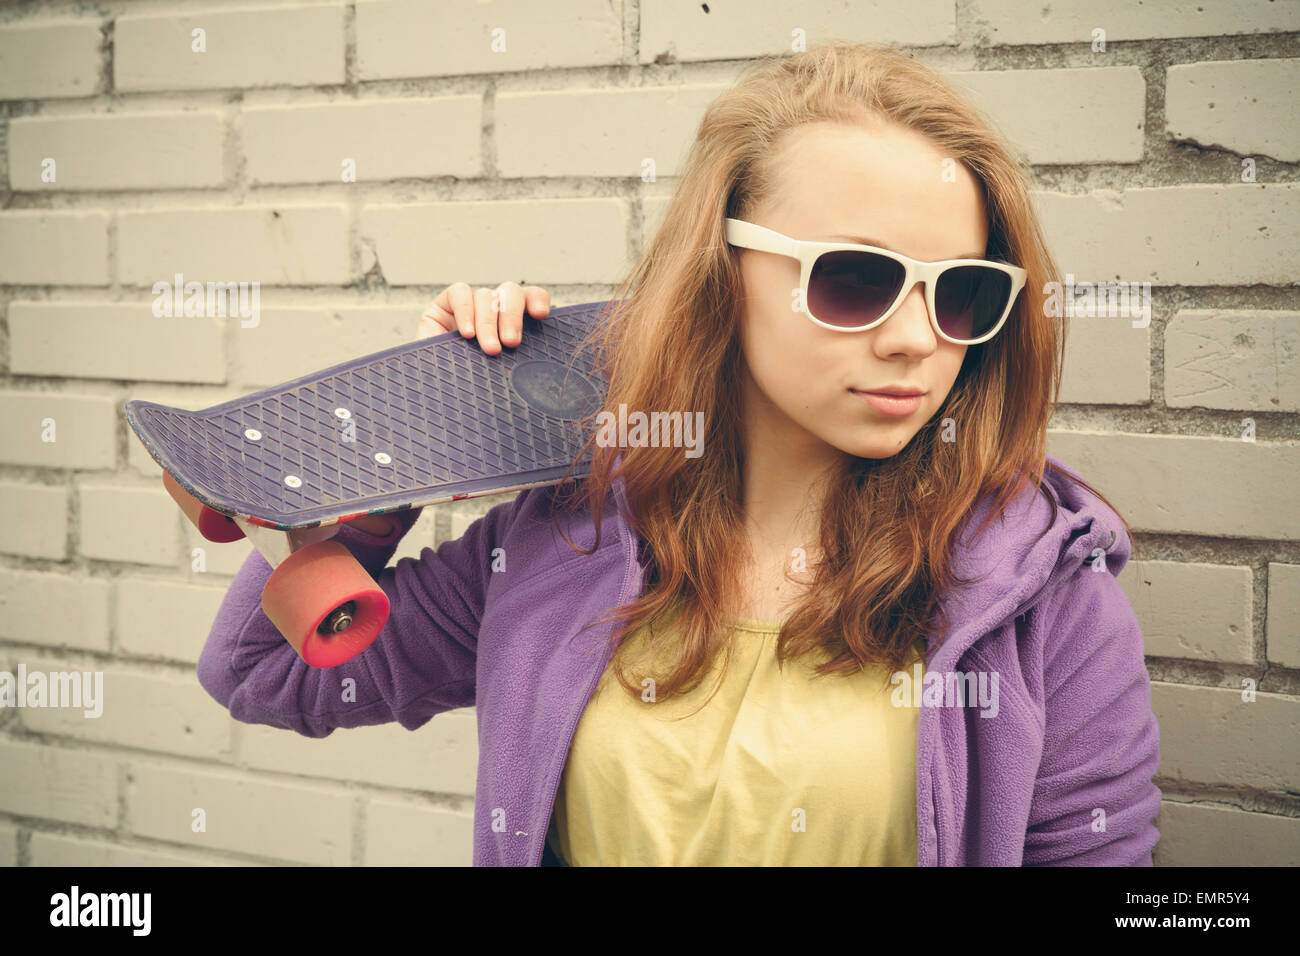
[{"x": 908, "y": 329}]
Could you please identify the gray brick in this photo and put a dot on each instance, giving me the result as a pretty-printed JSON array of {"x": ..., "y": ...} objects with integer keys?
[
  {"x": 386, "y": 139},
  {"x": 1284, "y": 614},
  {"x": 53, "y": 849},
  {"x": 161, "y": 618},
  {"x": 1242, "y": 360},
  {"x": 1185, "y": 484},
  {"x": 83, "y": 429},
  {"x": 1245, "y": 106},
  {"x": 259, "y": 817},
  {"x": 57, "y": 783},
  {"x": 1107, "y": 362},
  {"x": 8, "y": 845},
  {"x": 1160, "y": 234},
  {"x": 56, "y": 609},
  {"x": 1210, "y": 735},
  {"x": 1199, "y": 835},
  {"x": 163, "y": 150},
  {"x": 598, "y": 132},
  {"x": 400, "y": 833},
  {"x": 283, "y": 46},
  {"x": 1093, "y": 115},
  {"x": 482, "y": 243},
  {"x": 280, "y": 245},
  {"x": 1193, "y": 611},
  {"x": 44, "y": 247},
  {"x": 407, "y": 38},
  {"x": 441, "y": 758},
  {"x": 155, "y": 712},
  {"x": 103, "y": 340},
  {"x": 689, "y": 31},
  {"x": 50, "y": 59},
  {"x": 218, "y": 560},
  {"x": 129, "y": 524},
  {"x": 1007, "y": 21},
  {"x": 34, "y": 520}
]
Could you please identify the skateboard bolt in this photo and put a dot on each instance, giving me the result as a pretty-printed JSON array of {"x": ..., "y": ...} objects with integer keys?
[
  {"x": 342, "y": 413},
  {"x": 382, "y": 458},
  {"x": 339, "y": 620},
  {"x": 252, "y": 434}
]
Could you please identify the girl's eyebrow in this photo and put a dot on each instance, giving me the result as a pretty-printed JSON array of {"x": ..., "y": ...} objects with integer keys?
[{"x": 880, "y": 245}]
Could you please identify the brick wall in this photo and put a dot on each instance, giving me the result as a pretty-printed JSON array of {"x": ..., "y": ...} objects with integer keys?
[{"x": 1171, "y": 156}]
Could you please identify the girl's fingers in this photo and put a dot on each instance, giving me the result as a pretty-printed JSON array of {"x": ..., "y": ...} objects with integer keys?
[
  {"x": 538, "y": 301},
  {"x": 510, "y": 328},
  {"x": 495, "y": 316},
  {"x": 485, "y": 320},
  {"x": 452, "y": 310},
  {"x": 457, "y": 300},
  {"x": 435, "y": 322}
]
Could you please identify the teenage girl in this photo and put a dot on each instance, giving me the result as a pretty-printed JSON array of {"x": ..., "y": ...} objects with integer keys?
[{"x": 846, "y": 282}]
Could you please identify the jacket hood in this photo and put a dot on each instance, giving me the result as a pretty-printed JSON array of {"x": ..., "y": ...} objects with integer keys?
[{"x": 1025, "y": 553}]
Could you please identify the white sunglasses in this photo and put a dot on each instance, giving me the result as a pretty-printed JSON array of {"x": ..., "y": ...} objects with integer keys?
[{"x": 848, "y": 287}]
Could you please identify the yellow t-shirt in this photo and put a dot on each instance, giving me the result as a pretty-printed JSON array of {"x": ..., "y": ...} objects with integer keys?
[{"x": 777, "y": 769}]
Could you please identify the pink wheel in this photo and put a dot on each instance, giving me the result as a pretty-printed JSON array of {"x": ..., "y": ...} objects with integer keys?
[
  {"x": 213, "y": 525},
  {"x": 325, "y": 604}
]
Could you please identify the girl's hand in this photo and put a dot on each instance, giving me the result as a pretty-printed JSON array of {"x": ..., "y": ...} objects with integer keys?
[
  {"x": 472, "y": 311},
  {"x": 377, "y": 525}
]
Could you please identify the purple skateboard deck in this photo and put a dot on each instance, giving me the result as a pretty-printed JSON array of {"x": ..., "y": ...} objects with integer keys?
[{"x": 418, "y": 424}]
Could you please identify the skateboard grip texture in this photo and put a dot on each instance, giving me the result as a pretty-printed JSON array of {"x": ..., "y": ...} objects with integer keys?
[{"x": 416, "y": 424}]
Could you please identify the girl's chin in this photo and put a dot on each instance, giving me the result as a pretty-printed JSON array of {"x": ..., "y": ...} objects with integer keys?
[{"x": 884, "y": 446}]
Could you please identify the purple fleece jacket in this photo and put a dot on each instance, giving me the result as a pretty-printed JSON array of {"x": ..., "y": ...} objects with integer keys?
[{"x": 1061, "y": 775}]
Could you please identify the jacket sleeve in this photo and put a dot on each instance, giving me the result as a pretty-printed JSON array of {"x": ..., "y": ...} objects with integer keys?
[
  {"x": 1094, "y": 802},
  {"x": 421, "y": 664}
]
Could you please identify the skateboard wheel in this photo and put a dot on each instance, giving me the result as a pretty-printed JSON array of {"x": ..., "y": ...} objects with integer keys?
[
  {"x": 306, "y": 589},
  {"x": 213, "y": 525}
]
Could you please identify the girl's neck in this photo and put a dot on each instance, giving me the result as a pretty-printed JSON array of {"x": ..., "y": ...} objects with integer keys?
[
  {"x": 783, "y": 472},
  {"x": 782, "y": 494}
]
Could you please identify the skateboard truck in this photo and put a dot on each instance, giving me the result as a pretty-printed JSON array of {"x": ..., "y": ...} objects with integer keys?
[{"x": 324, "y": 603}]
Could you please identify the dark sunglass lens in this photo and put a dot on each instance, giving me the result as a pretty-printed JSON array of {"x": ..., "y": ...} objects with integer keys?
[
  {"x": 969, "y": 300},
  {"x": 850, "y": 288}
]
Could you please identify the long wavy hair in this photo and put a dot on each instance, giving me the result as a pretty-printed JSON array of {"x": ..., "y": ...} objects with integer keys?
[{"x": 669, "y": 340}]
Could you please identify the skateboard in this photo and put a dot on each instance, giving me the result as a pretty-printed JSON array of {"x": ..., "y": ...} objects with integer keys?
[{"x": 423, "y": 423}]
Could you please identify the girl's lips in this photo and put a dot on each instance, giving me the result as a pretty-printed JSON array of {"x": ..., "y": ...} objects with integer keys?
[{"x": 898, "y": 405}]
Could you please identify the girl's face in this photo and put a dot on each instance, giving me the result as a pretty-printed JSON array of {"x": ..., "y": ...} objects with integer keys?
[{"x": 879, "y": 185}]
